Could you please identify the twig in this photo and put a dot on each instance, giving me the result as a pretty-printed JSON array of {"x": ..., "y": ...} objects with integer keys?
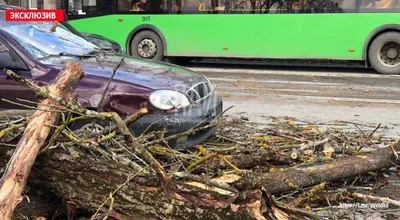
[
  {"x": 7, "y": 145},
  {"x": 117, "y": 189},
  {"x": 55, "y": 25},
  {"x": 303, "y": 147},
  {"x": 231, "y": 140},
  {"x": 373, "y": 132},
  {"x": 100, "y": 108},
  {"x": 57, "y": 132},
  {"x": 365, "y": 136},
  {"x": 52, "y": 106},
  {"x": 292, "y": 138},
  {"x": 11, "y": 128},
  {"x": 331, "y": 209},
  {"x": 110, "y": 208},
  {"x": 188, "y": 132},
  {"x": 315, "y": 143},
  {"x": 375, "y": 199},
  {"x": 212, "y": 155},
  {"x": 129, "y": 120},
  {"x": 19, "y": 104},
  {"x": 206, "y": 181},
  {"x": 308, "y": 195},
  {"x": 17, "y": 121},
  {"x": 83, "y": 143}
]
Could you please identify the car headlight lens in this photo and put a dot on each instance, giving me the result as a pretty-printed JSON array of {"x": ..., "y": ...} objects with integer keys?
[{"x": 168, "y": 99}]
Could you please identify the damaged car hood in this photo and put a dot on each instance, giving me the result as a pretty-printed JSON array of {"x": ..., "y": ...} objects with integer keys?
[{"x": 150, "y": 74}]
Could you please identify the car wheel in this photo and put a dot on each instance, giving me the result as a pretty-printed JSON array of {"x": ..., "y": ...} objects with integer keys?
[
  {"x": 147, "y": 45},
  {"x": 384, "y": 53},
  {"x": 89, "y": 126}
]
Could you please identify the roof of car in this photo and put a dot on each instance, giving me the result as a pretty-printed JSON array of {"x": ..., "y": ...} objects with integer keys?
[{"x": 5, "y": 7}]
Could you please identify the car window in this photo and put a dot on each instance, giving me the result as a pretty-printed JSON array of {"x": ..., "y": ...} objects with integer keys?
[
  {"x": 5, "y": 57},
  {"x": 39, "y": 41},
  {"x": 3, "y": 47}
]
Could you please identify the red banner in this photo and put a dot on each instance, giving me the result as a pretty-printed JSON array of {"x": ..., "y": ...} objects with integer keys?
[{"x": 35, "y": 15}]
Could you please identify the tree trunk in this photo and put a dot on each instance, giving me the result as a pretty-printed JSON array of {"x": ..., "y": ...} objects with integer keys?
[
  {"x": 279, "y": 182},
  {"x": 39, "y": 125},
  {"x": 84, "y": 181}
]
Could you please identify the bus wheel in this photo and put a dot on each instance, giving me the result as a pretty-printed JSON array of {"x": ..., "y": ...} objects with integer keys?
[
  {"x": 147, "y": 45},
  {"x": 384, "y": 53}
]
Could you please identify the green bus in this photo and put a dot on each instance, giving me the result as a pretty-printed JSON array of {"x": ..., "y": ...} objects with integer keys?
[{"x": 351, "y": 30}]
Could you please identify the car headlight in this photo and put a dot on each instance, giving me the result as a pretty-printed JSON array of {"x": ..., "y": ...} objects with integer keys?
[{"x": 168, "y": 99}]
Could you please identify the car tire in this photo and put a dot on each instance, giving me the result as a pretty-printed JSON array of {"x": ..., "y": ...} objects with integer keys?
[
  {"x": 94, "y": 126},
  {"x": 384, "y": 53},
  {"x": 147, "y": 45}
]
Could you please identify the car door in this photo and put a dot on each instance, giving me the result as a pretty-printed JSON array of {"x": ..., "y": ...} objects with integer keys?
[{"x": 10, "y": 90}]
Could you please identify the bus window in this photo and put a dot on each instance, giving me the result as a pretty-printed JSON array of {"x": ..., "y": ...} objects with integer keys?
[
  {"x": 199, "y": 6},
  {"x": 104, "y": 7},
  {"x": 75, "y": 6},
  {"x": 148, "y": 6},
  {"x": 257, "y": 7},
  {"x": 176, "y": 6},
  {"x": 324, "y": 6},
  {"x": 124, "y": 5},
  {"x": 380, "y": 5}
]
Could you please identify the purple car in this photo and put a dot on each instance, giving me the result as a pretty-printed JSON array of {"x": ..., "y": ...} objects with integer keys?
[{"x": 177, "y": 98}]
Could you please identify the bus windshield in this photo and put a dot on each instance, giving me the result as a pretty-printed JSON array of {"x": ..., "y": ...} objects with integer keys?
[{"x": 39, "y": 41}]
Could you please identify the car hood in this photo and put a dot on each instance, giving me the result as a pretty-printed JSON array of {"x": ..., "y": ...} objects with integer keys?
[
  {"x": 101, "y": 41},
  {"x": 150, "y": 74}
]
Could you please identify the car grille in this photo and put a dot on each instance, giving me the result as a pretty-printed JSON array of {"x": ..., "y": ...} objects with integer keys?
[
  {"x": 218, "y": 109},
  {"x": 199, "y": 91},
  {"x": 214, "y": 113}
]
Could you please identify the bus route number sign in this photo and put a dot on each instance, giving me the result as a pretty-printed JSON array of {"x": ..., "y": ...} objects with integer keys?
[{"x": 145, "y": 18}]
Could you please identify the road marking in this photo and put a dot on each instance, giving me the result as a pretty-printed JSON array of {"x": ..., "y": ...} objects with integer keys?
[
  {"x": 347, "y": 99},
  {"x": 294, "y": 73},
  {"x": 324, "y": 98},
  {"x": 215, "y": 81},
  {"x": 275, "y": 81},
  {"x": 235, "y": 90},
  {"x": 295, "y": 90}
]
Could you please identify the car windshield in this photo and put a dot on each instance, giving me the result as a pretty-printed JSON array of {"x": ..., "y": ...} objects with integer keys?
[{"x": 39, "y": 41}]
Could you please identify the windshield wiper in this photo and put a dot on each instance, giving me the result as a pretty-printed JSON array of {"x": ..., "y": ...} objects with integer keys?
[
  {"x": 98, "y": 51},
  {"x": 63, "y": 54}
]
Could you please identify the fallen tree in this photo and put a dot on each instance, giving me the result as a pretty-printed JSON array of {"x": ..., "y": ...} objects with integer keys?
[
  {"x": 14, "y": 179},
  {"x": 38, "y": 127},
  {"x": 134, "y": 178},
  {"x": 84, "y": 181}
]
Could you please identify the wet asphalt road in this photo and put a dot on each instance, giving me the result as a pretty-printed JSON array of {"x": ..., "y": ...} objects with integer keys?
[{"x": 320, "y": 95}]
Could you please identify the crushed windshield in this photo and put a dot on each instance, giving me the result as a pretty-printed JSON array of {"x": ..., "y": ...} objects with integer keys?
[{"x": 39, "y": 41}]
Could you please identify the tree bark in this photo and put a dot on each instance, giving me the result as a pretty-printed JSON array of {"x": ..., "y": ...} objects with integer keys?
[
  {"x": 39, "y": 125},
  {"x": 85, "y": 180},
  {"x": 279, "y": 182}
]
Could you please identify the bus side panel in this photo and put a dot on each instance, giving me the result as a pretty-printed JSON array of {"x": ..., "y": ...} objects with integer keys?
[{"x": 303, "y": 36}]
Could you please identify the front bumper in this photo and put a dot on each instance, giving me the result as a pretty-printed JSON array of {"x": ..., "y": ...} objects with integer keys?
[{"x": 200, "y": 115}]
